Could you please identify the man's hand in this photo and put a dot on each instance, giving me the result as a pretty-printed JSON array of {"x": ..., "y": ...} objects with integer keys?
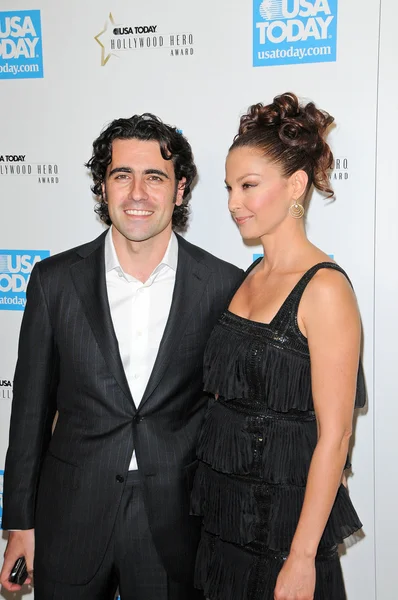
[{"x": 20, "y": 543}]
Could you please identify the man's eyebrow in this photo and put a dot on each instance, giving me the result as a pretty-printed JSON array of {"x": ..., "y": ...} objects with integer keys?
[
  {"x": 156, "y": 172},
  {"x": 146, "y": 172},
  {"x": 120, "y": 170}
]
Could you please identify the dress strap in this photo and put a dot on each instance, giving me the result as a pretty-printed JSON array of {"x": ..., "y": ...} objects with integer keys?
[
  {"x": 244, "y": 275},
  {"x": 289, "y": 309},
  {"x": 254, "y": 264},
  {"x": 286, "y": 320},
  {"x": 299, "y": 288}
]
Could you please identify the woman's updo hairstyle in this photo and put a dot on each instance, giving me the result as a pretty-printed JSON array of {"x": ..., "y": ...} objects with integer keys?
[{"x": 291, "y": 136}]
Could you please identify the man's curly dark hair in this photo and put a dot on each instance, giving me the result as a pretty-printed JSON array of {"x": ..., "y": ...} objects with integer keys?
[{"x": 147, "y": 127}]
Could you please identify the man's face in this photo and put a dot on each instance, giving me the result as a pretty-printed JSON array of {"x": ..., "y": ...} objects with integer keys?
[{"x": 141, "y": 190}]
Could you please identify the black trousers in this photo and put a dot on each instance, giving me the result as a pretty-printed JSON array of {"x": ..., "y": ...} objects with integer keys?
[{"x": 131, "y": 563}]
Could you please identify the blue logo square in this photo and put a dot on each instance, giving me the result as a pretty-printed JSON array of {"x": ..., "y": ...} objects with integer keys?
[
  {"x": 15, "y": 269},
  {"x": 21, "y": 51},
  {"x": 287, "y": 32}
]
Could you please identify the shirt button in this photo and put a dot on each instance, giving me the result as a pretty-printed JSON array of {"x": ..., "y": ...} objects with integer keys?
[
  {"x": 120, "y": 274},
  {"x": 119, "y": 478}
]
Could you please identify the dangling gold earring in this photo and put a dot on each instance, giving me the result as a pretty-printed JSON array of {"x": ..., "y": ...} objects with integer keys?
[{"x": 296, "y": 210}]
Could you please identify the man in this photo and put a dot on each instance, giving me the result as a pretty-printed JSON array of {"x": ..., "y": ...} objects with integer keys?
[{"x": 112, "y": 339}]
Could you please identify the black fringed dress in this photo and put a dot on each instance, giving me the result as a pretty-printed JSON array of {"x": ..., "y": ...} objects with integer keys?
[{"x": 255, "y": 450}]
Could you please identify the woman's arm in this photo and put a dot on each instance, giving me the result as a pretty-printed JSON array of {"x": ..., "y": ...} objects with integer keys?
[{"x": 329, "y": 317}]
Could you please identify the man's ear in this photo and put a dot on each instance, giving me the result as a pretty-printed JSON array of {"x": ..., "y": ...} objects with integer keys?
[
  {"x": 180, "y": 191},
  {"x": 103, "y": 188}
]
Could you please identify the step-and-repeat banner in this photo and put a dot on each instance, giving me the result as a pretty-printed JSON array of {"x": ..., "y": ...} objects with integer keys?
[{"x": 67, "y": 69}]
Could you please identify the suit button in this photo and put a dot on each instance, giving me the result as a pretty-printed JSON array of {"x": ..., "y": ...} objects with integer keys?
[
  {"x": 119, "y": 478},
  {"x": 138, "y": 418}
]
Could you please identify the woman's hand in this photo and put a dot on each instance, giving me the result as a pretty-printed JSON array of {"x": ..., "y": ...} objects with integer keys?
[{"x": 296, "y": 580}]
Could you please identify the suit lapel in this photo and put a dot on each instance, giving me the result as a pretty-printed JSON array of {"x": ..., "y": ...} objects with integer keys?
[
  {"x": 191, "y": 280},
  {"x": 88, "y": 276}
]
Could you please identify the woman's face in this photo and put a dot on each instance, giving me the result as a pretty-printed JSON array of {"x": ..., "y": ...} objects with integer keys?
[{"x": 259, "y": 195}]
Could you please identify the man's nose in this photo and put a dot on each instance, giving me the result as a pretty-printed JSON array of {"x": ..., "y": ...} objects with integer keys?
[{"x": 138, "y": 190}]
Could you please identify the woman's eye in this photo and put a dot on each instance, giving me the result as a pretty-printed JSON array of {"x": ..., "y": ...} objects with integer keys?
[{"x": 248, "y": 185}]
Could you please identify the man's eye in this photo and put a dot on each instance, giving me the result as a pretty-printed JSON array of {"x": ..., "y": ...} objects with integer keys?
[
  {"x": 121, "y": 176},
  {"x": 155, "y": 178}
]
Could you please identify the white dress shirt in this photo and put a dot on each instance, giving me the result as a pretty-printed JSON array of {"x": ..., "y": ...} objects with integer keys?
[{"x": 139, "y": 314}]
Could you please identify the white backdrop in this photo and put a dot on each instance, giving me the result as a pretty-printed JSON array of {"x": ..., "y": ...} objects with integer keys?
[
  {"x": 386, "y": 324},
  {"x": 52, "y": 120}
]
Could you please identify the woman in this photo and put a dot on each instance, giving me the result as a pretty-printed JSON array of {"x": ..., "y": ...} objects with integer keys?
[{"x": 283, "y": 365}]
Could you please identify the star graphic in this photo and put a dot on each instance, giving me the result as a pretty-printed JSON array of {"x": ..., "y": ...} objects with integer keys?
[{"x": 104, "y": 59}]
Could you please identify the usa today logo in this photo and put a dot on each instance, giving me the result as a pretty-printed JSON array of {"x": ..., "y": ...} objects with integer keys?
[
  {"x": 21, "y": 52},
  {"x": 294, "y": 31},
  {"x": 15, "y": 269}
]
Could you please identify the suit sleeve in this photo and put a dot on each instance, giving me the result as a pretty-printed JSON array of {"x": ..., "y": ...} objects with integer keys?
[{"x": 33, "y": 408}]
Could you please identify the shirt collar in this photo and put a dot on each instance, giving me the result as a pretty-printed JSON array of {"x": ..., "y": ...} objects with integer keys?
[{"x": 170, "y": 258}]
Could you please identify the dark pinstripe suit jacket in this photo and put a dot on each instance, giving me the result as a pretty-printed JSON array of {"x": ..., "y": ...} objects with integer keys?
[{"x": 68, "y": 486}]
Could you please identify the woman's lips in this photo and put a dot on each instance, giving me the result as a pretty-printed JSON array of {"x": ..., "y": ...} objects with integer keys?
[{"x": 241, "y": 220}]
